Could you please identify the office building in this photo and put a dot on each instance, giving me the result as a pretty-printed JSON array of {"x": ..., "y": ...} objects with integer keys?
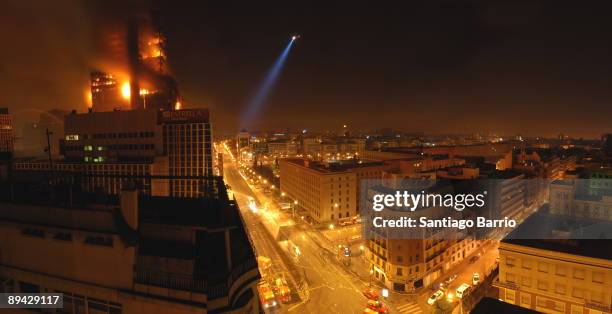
[
  {"x": 6, "y": 133},
  {"x": 106, "y": 93},
  {"x": 128, "y": 253},
  {"x": 145, "y": 144},
  {"x": 327, "y": 191}
]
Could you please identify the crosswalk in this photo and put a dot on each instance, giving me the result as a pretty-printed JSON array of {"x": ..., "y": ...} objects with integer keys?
[{"x": 410, "y": 308}]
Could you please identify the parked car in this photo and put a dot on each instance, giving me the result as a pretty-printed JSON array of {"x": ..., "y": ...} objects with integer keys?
[
  {"x": 463, "y": 290},
  {"x": 475, "y": 279},
  {"x": 435, "y": 297},
  {"x": 474, "y": 258},
  {"x": 378, "y": 306},
  {"x": 371, "y": 294},
  {"x": 450, "y": 279}
]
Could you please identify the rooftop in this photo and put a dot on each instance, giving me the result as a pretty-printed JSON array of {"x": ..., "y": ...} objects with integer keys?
[
  {"x": 333, "y": 166},
  {"x": 564, "y": 234}
]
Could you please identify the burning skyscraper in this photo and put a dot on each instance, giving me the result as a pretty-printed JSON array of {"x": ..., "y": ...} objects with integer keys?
[{"x": 149, "y": 84}]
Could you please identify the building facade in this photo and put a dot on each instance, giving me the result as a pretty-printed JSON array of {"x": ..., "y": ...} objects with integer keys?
[
  {"x": 167, "y": 153},
  {"x": 127, "y": 254},
  {"x": 6, "y": 132},
  {"x": 553, "y": 276}
]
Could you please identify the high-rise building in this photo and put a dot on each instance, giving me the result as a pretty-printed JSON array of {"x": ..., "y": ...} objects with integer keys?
[
  {"x": 126, "y": 254},
  {"x": 187, "y": 142},
  {"x": 106, "y": 93},
  {"x": 146, "y": 144},
  {"x": 6, "y": 133}
]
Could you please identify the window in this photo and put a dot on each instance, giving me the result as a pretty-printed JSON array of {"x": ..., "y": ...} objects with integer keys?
[
  {"x": 526, "y": 281},
  {"x": 510, "y": 296},
  {"x": 559, "y": 288},
  {"x": 99, "y": 240},
  {"x": 542, "y": 267},
  {"x": 542, "y": 285},
  {"x": 510, "y": 278},
  {"x": 579, "y": 273},
  {"x": 400, "y": 271},
  {"x": 598, "y": 277},
  {"x": 578, "y": 293},
  {"x": 510, "y": 261},
  {"x": 527, "y": 264},
  {"x": 33, "y": 232},
  {"x": 64, "y": 236},
  {"x": 72, "y": 137},
  {"x": 561, "y": 271},
  {"x": 525, "y": 300},
  {"x": 577, "y": 309},
  {"x": 400, "y": 259}
]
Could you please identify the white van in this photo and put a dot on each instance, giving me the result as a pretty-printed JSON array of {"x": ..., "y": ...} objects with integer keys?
[{"x": 462, "y": 290}]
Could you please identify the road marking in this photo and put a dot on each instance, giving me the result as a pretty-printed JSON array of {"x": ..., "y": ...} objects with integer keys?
[{"x": 410, "y": 308}]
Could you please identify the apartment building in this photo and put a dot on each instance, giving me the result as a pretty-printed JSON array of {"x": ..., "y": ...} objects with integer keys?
[
  {"x": 540, "y": 271},
  {"x": 573, "y": 198},
  {"x": 405, "y": 262}
]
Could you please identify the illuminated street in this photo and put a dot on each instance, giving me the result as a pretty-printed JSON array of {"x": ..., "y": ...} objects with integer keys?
[{"x": 329, "y": 286}]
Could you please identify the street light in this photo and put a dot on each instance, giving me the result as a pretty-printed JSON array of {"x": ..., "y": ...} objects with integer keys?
[
  {"x": 283, "y": 194},
  {"x": 294, "y": 205}
]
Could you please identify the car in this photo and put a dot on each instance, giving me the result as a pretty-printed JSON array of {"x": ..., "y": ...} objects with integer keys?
[
  {"x": 475, "y": 279},
  {"x": 463, "y": 290},
  {"x": 282, "y": 290},
  {"x": 450, "y": 279},
  {"x": 377, "y": 306},
  {"x": 371, "y": 294},
  {"x": 474, "y": 258},
  {"x": 435, "y": 297},
  {"x": 266, "y": 295}
]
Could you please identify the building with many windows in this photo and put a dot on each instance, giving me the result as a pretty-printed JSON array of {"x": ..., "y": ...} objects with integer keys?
[
  {"x": 405, "y": 261},
  {"x": 129, "y": 253},
  {"x": 105, "y": 146},
  {"x": 327, "y": 191},
  {"x": 541, "y": 271},
  {"x": 6, "y": 132}
]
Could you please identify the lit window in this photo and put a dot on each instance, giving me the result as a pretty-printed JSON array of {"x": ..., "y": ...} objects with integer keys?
[{"x": 72, "y": 137}]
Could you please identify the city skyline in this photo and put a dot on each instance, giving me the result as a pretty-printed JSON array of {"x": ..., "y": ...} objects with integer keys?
[
  {"x": 506, "y": 69},
  {"x": 229, "y": 157}
]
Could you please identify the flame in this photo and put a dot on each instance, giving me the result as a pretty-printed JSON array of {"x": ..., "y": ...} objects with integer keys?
[
  {"x": 88, "y": 98},
  {"x": 144, "y": 91},
  {"x": 126, "y": 90},
  {"x": 177, "y": 106}
]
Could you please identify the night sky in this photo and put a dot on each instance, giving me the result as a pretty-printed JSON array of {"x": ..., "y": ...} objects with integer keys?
[{"x": 534, "y": 67}]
